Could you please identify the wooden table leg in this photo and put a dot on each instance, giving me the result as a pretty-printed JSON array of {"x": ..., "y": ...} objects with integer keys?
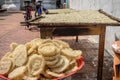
[
  {"x": 76, "y": 38},
  {"x": 43, "y": 33},
  {"x": 101, "y": 52},
  {"x": 46, "y": 33}
]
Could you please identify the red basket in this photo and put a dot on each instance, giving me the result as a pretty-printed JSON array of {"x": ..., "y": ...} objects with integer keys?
[
  {"x": 80, "y": 65},
  {"x": 3, "y": 77}
]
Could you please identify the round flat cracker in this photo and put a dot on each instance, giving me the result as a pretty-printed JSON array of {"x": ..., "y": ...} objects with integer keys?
[
  {"x": 54, "y": 74},
  {"x": 61, "y": 44},
  {"x": 46, "y": 75},
  {"x": 51, "y": 58},
  {"x": 62, "y": 67},
  {"x": 36, "y": 64},
  {"x": 73, "y": 68},
  {"x": 5, "y": 66},
  {"x": 48, "y": 50},
  {"x": 20, "y": 55},
  {"x": 13, "y": 46},
  {"x": 28, "y": 45},
  {"x": 36, "y": 41},
  {"x": 71, "y": 53},
  {"x": 7, "y": 55},
  {"x": 58, "y": 64},
  {"x": 33, "y": 49},
  {"x": 17, "y": 72},
  {"x": 49, "y": 63},
  {"x": 46, "y": 41},
  {"x": 30, "y": 78}
]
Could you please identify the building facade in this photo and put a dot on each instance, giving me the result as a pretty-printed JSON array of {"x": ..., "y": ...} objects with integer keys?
[{"x": 50, "y": 4}]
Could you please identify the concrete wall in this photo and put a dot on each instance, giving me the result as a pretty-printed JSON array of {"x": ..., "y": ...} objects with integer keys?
[
  {"x": 84, "y": 4},
  {"x": 110, "y": 6},
  {"x": 50, "y": 4}
]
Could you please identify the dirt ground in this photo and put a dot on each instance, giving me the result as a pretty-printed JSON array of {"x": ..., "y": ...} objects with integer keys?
[{"x": 12, "y": 31}]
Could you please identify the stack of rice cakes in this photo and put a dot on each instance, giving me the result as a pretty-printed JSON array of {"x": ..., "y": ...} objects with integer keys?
[{"x": 39, "y": 59}]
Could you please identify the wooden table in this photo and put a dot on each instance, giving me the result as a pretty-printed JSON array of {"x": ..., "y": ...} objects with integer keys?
[{"x": 86, "y": 28}]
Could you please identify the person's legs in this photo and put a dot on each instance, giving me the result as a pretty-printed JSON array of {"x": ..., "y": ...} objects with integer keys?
[{"x": 39, "y": 11}]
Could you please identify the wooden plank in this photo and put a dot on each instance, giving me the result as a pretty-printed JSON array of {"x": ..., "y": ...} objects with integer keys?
[
  {"x": 101, "y": 52},
  {"x": 31, "y": 20},
  {"x": 27, "y": 22},
  {"x": 76, "y": 31},
  {"x": 41, "y": 24},
  {"x": 110, "y": 16},
  {"x": 93, "y": 30},
  {"x": 49, "y": 32}
]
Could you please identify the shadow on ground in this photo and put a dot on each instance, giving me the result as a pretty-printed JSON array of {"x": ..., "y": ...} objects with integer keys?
[{"x": 34, "y": 29}]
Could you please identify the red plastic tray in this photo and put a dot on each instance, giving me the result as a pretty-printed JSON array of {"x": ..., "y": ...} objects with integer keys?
[
  {"x": 3, "y": 78},
  {"x": 80, "y": 65}
]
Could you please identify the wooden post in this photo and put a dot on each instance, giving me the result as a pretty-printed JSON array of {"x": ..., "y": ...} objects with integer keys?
[
  {"x": 76, "y": 38},
  {"x": 46, "y": 33},
  {"x": 101, "y": 52},
  {"x": 42, "y": 33}
]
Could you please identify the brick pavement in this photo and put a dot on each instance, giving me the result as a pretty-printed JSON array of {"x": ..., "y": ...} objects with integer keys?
[{"x": 12, "y": 31}]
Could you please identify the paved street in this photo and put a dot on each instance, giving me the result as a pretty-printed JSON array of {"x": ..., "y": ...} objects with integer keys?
[{"x": 12, "y": 31}]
